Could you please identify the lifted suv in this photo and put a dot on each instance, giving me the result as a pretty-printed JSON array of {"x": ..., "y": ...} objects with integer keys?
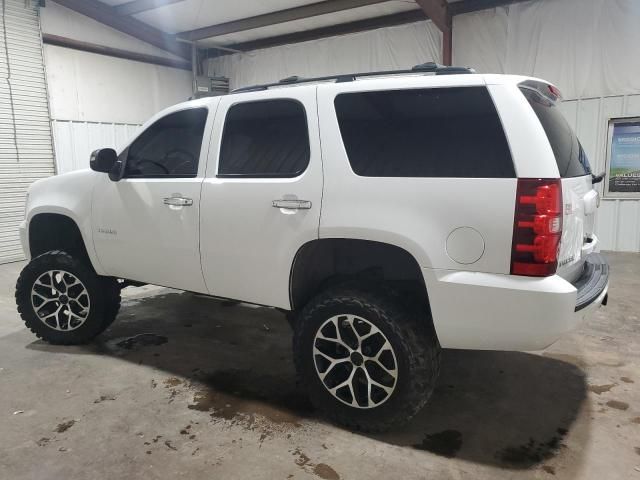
[{"x": 387, "y": 214}]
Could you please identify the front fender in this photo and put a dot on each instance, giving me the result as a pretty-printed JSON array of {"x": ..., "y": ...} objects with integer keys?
[{"x": 70, "y": 195}]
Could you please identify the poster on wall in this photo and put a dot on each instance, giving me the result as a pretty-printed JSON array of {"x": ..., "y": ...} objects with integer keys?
[{"x": 624, "y": 156}]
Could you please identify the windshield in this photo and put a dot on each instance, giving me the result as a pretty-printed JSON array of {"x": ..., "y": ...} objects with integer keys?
[{"x": 570, "y": 156}]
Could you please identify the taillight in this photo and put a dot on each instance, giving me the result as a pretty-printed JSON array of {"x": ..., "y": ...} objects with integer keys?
[{"x": 537, "y": 227}]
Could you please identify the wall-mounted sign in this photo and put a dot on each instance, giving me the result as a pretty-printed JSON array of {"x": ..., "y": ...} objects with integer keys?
[{"x": 623, "y": 162}]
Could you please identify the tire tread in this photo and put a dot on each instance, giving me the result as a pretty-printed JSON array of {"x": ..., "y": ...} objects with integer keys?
[{"x": 416, "y": 334}]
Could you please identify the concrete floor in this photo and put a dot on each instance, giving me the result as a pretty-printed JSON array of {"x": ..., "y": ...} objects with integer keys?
[{"x": 210, "y": 393}]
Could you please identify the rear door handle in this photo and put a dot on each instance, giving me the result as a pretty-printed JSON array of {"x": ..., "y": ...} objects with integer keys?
[
  {"x": 178, "y": 201},
  {"x": 292, "y": 204}
]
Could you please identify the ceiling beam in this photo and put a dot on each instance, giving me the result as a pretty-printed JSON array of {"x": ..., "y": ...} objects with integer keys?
[
  {"x": 107, "y": 15},
  {"x": 437, "y": 11},
  {"x": 274, "y": 18},
  {"x": 330, "y": 31},
  {"x": 65, "y": 42},
  {"x": 138, "y": 6},
  {"x": 469, "y": 6}
]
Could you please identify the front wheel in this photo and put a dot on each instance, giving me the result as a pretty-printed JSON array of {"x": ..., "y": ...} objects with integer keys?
[
  {"x": 367, "y": 360},
  {"x": 63, "y": 301}
]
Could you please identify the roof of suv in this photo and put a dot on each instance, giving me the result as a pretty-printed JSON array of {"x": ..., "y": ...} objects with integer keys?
[
  {"x": 429, "y": 67},
  {"x": 455, "y": 76}
]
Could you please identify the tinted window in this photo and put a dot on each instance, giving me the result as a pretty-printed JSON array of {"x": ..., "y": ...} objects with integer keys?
[
  {"x": 168, "y": 148},
  {"x": 439, "y": 132},
  {"x": 265, "y": 139},
  {"x": 570, "y": 157}
]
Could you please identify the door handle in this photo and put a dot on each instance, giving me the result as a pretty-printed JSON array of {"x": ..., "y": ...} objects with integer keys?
[
  {"x": 178, "y": 201},
  {"x": 292, "y": 204}
]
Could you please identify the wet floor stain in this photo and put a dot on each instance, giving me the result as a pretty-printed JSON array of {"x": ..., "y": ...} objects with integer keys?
[
  {"x": 142, "y": 340},
  {"x": 626, "y": 380},
  {"x": 302, "y": 459},
  {"x": 637, "y": 449},
  {"x": 618, "y": 405},
  {"x": 446, "y": 443},
  {"x": 64, "y": 426},
  {"x": 549, "y": 469},
  {"x": 324, "y": 471},
  {"x": 104, "y": 398},
  {"x": 172, "y": 382},
  {"x": 43, "y": 442},
  {"x": 533, "y": 451},
  {"x": 635, "y": 420},
  {"x": 599, "y": 389},
  {"x": 238, "y": 394}
]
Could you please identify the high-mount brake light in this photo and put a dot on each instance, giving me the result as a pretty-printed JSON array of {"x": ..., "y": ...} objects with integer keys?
[
  {"x": 537, "y": 227},
  {"x": 555, "y": 91}
]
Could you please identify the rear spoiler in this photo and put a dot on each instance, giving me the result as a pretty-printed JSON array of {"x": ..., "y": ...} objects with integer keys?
[{"x": 547, "y": 90}]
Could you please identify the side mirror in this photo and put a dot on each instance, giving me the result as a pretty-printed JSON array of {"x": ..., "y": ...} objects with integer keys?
[
  {"x": 597, "y": 178},
  {"x": 105, "y": 160}
]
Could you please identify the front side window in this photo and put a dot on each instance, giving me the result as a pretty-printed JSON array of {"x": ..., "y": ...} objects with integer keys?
[
  {"x": 436, "y": 132},
  {"x": 267, "y": 138},
  {"x": 168, "y": 148}
]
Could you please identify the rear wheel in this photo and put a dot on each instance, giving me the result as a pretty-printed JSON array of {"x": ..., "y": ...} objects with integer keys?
[
  {"x": 63, "y": 301},
  {"x": 367, "y": 360}
]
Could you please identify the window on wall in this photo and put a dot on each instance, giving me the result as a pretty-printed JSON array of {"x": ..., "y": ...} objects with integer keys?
[
  {"x": 623, "y": 158},
  {"x": 266, "y": 138},
  {"x": 438, "y": 132},
  {"x": 168, "y": 148}
]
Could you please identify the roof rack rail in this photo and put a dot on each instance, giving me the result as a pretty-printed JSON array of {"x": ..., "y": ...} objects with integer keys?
[{"x": 429, "y": 67}]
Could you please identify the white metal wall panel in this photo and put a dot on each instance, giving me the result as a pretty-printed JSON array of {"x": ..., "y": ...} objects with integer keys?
[
  {"x": 26, "y": 152},
  {"x": 618, "y": 220},
  {"x": 74, "y": 141}
]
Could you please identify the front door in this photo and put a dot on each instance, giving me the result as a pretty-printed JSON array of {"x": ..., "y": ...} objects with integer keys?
[
  {"x": 262, "y": 194},
  {"x": 146, "y": 226}
]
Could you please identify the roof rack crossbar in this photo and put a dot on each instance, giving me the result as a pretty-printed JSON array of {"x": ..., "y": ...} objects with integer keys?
[{"x": 429, "y": 67}]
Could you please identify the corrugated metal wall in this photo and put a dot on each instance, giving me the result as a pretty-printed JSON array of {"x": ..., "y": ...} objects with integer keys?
[
  {"x": 618, "y": 220},
  {"x": 74, "y": 141},
  {"x": 26, "y": 152}
]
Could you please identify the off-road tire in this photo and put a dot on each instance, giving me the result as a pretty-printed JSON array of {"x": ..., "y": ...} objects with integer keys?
[
  {"x": 104, "y": 295},
  {"x": 408, "y": 329}
]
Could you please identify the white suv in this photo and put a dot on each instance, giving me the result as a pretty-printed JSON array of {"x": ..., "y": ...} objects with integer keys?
[{"x": 386, "y": 214}]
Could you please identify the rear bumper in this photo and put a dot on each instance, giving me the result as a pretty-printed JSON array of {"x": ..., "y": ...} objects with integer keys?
[
  {"x": 593, "y": 282},
  {"x": 484, "y": 311}
]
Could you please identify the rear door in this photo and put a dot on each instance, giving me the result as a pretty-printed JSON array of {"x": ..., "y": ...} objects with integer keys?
[
  {"x": 262, "y": 196},
  {"x": 580, "y": 200}
]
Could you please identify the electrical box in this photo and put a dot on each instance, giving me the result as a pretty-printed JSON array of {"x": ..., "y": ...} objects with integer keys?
[{"x": 211, "y": 86}]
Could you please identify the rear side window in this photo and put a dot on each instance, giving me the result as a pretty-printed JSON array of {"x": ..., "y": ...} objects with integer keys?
[
  {"x": 267, "y": 138},
  {"x": 570, "y": 156},
  {"x": 438, "y": 132}
]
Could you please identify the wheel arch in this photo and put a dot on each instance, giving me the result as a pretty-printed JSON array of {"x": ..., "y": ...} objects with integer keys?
[
  {"x": 324, "y": 262},
  {"x": 57, "y": 231}
]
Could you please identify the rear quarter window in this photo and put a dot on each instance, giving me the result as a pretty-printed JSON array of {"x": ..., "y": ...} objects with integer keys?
[
  {"x": 438, "y": 132},
  {"x": 570, "y": 156}
]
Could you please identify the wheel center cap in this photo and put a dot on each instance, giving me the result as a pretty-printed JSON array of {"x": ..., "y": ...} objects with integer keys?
[
  {"x": 63, "y": 299},
  {"x": 357, "y": 359}
]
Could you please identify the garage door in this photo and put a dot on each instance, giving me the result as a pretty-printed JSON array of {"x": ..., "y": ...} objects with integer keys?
[{"x": 26, "y": 152}]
